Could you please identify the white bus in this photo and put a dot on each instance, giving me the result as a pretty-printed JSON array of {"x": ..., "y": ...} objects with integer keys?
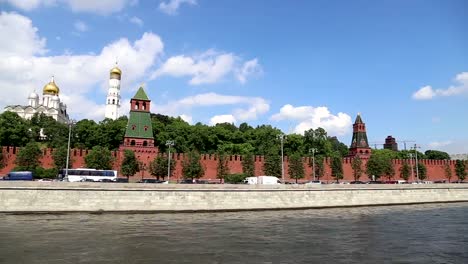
[{"x": 84, "y": 174}]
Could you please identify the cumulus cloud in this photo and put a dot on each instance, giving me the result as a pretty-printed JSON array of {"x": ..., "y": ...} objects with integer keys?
[
  {"x": 251, "y": 67},
  {"x": 103, "y": 7},
  {"x": 245, "y": 108},
  {"x": 427, "y": 92},
  {"x": 137, "y": 21},
  {"x": 218, "y": 119},
  {"x": 25, "y": 66},
  {"x": 186, "y": 118},
  {"x": 170, "y": 7},
  {"x": 313, "y": 117},
  {"x": 439, "y": 144},
  {"x": 80, "y": 26},
  {"x": 208, "y": 67}
]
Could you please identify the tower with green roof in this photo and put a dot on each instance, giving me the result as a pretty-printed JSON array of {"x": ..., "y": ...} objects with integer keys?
[
  {"x": 139, "y": 132},
  {"x": 359, "y": 144}
]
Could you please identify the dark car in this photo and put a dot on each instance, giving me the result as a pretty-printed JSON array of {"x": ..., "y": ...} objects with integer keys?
[
  {"x": 357, "y": 182},
  {"x": 106, "y": 180},
  {"x": 186, "y": 181},
  {"x": 121, "y": 180},
  {"x": 391, "y": 182},
  {"x": 150, "y": 181},
  {"x": 375, "y": 182}
]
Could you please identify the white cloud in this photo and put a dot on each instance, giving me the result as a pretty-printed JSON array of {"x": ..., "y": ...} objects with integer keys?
[
  {"x": 187, "y": 118},
  {"x": 208, "y": 67},
  {"x": 439, "y": 144},
  {"x": 137, "y": 21},
  {"x": 427, "y": 92},
  {"x": 218, "y": 119},
  {"x": 103, "y": 7},
  {"x": 24, "y": 66},
  {"x": 251, "y": 67},
  {"x": 81, "y": 26},
  {"x": 172, "y": 6},
  {"x": 245, "y": 108},
  {"x": 314, "y": 117}
]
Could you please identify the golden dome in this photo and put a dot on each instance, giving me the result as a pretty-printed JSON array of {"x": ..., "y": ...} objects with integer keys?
[
  {"x": 116, "y": 70},
  {"x": 51, "y": 88}
]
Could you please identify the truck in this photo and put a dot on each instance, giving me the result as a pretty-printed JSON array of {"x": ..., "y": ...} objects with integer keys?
[
  {"x": 262, "y": 180},
  {"x": 19, "y": 176}
]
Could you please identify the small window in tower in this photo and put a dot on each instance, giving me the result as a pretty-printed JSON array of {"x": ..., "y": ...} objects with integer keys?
[
  {"x": 113, "y": 101},
  {"x": 118, "y": 102},
  {"x": 137, "y": 105},
  {"x": 144, "y": 106},
  {"x": 133, "y": 127},
  {"x": 146, "y": 128},
  {"x": 108, "y": 101}
]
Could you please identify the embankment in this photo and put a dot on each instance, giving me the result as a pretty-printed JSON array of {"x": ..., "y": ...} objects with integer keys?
[{"x": 37, "y": 197}]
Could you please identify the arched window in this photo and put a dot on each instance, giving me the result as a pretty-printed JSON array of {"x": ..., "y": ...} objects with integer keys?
[
  {"x": 113, "y": 101},
  {"x": 137, "y": 105},
  {"x": 132, "y": 143},
  {"x": 144, "y": 106},
  {"x": 145, "y": 143},
  {"x": 108, "y": 101}
]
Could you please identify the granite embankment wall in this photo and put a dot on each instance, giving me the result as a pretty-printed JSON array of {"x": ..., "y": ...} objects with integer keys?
[
  {"x": 20, "y": 197},
  {"x": 435, "y": 168}
]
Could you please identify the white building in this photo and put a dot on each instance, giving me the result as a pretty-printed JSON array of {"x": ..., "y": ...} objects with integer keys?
[
  {"x": 113, "y": 95},
  {"x": 50, "y": 104}
]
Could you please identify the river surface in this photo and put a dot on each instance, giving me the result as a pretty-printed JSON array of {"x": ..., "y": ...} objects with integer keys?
[{"x": 436, "y": 233}]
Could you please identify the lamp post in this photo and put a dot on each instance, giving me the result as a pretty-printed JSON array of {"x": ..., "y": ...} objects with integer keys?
[
  {"x": 411, "y": 164},
  {"x": 313, "y": 150},
  {"x": 70, "y": 123},
  {"x": 169, "y": 144},
  {"x": 416, "y": 154},
  {"x": 281, "y": 137}
]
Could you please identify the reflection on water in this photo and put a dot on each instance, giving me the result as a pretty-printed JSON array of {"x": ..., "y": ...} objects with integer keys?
[{"x": 397, "y": 234}]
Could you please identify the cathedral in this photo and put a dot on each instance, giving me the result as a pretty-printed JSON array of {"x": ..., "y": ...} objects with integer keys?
[{"x": 50, "y": 104}]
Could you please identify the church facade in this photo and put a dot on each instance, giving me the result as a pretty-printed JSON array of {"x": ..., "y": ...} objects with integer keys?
[{"x": 49, "y": 104}]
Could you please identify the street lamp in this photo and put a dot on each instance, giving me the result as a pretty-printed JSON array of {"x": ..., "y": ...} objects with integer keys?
[
  {"x": 169, "y": 144},
  {"x": 313, "y": 150},
  {"x": 416, "y": 154},
  {"x": 70, "y": 123},
  {"x": 411, "y": 164},
  {"x": 282, "y": 137}
]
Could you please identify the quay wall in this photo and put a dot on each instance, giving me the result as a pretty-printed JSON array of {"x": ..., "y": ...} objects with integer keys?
[{"x": 38, "y": 197}]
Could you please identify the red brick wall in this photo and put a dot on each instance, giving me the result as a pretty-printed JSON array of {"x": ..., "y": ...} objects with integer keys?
[{"x": 435, "y": 168}]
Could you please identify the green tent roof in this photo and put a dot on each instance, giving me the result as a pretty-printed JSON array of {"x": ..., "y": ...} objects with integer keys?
[
  {"x": 141, "y": 95},
  {"x": 358, "y": 119},
  {"x": 139, "y": 125}
]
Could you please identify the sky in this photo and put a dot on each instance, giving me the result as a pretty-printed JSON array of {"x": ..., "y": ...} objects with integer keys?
[{"x": 293, "y": 64}]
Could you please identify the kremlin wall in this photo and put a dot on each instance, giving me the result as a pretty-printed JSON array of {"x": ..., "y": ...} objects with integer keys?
[{"x": 435, "y": 168}]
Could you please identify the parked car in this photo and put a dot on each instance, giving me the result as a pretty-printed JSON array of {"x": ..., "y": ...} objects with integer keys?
[
  {"x": 314, "y": 182},
  {"x": 123, "y": 180},
  {"x": 151, "y": 181},
  {"x": 186, "y": 181},
  {"x": 357, "y": 182},
  {"x": 375, "y": 182}
]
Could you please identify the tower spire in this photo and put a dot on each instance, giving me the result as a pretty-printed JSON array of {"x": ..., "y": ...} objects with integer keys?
[{"x": 359, "y": 143}]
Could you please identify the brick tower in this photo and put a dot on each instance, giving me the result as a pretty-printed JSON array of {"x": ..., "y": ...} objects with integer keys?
[
  {"x": 139, "y": 132},
  {"x": 359, "y": 144}
]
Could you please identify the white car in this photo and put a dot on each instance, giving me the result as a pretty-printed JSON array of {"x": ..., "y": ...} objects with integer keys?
[{"x": 314, "y": 182}]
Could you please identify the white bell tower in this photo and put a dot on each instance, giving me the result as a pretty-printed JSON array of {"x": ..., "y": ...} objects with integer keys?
[{"x": 113, "y": 95}]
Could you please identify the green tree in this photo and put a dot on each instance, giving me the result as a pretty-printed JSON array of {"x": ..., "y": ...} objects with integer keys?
[
  {"x": 158, "y": 167},
  {"x": 380, "y": 164},
  {"x": 248, "y": 165},
  {"x": 99, "y": 158},
  {"x": 422, "y": 171},
  {"x": 448, "y": 171},
  {"x": 460, "y": 170},
  {"x": 14, "y": 130},
  {"x": 129, "y": 164},
  {"x": 356, "y": 165},
  {"x": 2, "y": 158},
  {"x": 319, "y": 166},
  {"x": 192, "y": 167},
  {"x": 337, "y": 167},
  {"x": 60, "y": 158},
  {"x": 272, "y": 164},
  {"x": 223, "y": 167},
  {"x": 405, "y": 171},
  {"x": 296, "y": 167},
  {"x": 436, "y": 155},
  {"x": 28, "y": 157},
  {"x": 234, "y": 178}
]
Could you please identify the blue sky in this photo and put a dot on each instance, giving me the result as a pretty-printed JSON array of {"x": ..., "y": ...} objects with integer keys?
[{"x": 295, "y": 65}]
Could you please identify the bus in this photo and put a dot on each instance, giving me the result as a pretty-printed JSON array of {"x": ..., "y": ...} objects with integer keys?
[{"x": 85, "y": 174}]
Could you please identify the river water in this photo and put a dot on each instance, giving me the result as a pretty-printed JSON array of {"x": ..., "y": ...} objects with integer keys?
[{"x": 436, "y": 233}]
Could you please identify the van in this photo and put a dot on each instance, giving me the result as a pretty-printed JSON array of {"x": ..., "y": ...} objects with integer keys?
[{"x": 262, "y": 180}]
